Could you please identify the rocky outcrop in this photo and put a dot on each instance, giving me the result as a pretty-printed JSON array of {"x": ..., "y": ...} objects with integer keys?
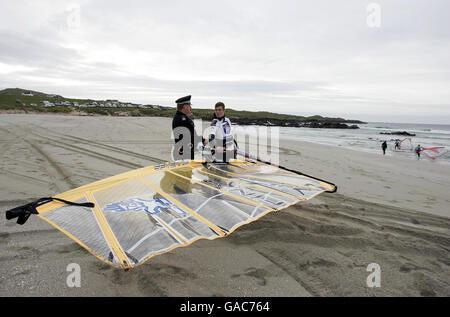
[
  {"x": 293, "y": 123},
  {"x": 398, "y": 133}
]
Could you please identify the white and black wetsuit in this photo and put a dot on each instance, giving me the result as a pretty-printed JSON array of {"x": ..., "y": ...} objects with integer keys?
[{"x": 221, "y": 139}]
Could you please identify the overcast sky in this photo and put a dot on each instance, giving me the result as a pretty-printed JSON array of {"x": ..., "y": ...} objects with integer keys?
[{"x": 369, "y": 60}]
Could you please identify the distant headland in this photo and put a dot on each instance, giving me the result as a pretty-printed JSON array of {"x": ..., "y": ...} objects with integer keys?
[{"x": 17, "y": 100}]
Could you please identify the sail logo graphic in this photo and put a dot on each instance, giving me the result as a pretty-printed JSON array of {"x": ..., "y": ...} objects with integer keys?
[{"x": 153, "y": 206}]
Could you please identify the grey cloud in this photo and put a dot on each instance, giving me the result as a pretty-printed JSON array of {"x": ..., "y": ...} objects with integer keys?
[
  {"x": 28, "y": 50},
  {"x": 321, "y": 55}
]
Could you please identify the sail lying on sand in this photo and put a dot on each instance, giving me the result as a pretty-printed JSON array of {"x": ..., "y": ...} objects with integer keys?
[{"x": 127, "y": 219}]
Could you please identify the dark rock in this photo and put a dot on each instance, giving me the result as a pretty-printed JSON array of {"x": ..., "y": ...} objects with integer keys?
[
  {"x": 313, "y": 123},
  {"x": 398, "y": 133}
]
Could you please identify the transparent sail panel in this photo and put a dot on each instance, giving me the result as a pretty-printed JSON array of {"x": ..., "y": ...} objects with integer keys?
[
  {"x": 213, "y": 205},
  {"x": 299, "y": 186},
  {"x": 82, "y": 224},
  {"x": 144, "y": 222}
]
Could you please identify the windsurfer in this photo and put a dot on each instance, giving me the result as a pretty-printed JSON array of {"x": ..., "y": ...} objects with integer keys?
[
  {"x": 418, "y": 150},
  {"x": 220, "y": 136}
]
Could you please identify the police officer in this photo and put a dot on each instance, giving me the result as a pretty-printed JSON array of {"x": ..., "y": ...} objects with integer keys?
[{"x": 184, "y": 131}]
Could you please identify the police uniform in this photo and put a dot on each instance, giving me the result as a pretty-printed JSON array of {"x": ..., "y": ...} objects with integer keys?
[{"x": 184, "y": 149}]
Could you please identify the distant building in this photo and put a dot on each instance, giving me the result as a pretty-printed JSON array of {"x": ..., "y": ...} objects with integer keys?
[
  {"x": 29, "y": 94},
  {"x": 48, "y": 103}
]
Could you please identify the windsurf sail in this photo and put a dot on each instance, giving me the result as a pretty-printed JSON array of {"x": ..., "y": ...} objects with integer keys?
[
  {"x": 434, "y": 152},
  {"x": 127, "y": 219},
  {"x": 406, "y": 145}
]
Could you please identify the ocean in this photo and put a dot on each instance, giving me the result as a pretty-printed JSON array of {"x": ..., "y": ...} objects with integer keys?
[{"x": 368, "y": 138}]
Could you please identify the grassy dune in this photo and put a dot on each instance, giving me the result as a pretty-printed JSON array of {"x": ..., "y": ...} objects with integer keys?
[{"x": 8, "y": 103}]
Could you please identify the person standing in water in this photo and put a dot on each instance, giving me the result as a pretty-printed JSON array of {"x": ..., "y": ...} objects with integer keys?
[
  {"x": 418, "y": 150},
  {"x": 397, "y": 144},
  {"x": 384, "y": 147}
]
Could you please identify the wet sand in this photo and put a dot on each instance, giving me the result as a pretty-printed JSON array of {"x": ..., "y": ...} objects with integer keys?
[{"x": 388, "y": 210}]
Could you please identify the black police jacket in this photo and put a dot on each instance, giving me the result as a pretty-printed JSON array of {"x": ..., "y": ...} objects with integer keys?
[{"x": 184, "y": 144}]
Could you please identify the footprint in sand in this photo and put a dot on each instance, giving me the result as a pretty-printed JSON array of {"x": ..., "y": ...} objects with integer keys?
[
  {"x": 316, "y": 263},
  {"x": 427, "y": 293},
  {"x": 408, "y": 267},
  {"x": 258, "y": 274},
  {"x": 415, "y": 221},
  {"x": 150, "y": 278}
]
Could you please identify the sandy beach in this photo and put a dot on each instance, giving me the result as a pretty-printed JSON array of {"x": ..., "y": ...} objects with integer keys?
[{"x": 388, "y": 210}]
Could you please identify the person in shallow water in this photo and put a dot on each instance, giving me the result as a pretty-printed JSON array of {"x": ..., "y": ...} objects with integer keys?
[
  {"x": 397, "y": 144},
  {"x": 384, "y": 147},
  {"x": 418, "y": 150}
]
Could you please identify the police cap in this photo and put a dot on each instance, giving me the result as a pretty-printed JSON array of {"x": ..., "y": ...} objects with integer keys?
[{"x": 184, "y": 100}]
